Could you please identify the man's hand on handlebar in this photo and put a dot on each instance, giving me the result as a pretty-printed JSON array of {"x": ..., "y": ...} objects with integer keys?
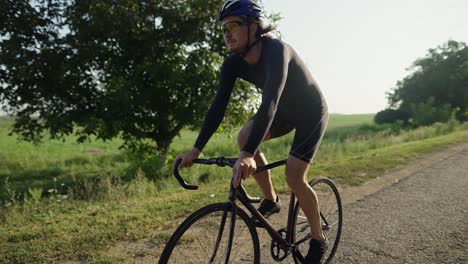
[
  {"x": 187, "y": 158},
  {"x": 244, "y": 167}
]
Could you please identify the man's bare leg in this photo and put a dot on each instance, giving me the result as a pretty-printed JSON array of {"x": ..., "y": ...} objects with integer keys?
[
  {"x": 263, "y": 179},
  {"x": 296, "y": 176}
]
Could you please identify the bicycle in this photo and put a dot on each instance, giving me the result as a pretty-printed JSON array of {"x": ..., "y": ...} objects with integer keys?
[{"x": 202, "y": 237}]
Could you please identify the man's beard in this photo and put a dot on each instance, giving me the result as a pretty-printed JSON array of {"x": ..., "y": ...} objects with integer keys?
[{"x": 237, "y": 50}]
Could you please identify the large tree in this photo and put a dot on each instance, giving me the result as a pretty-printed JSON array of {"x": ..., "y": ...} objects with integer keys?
[
  {"x": 130, "y": 68},
  {"x": 437, "y": 85}
]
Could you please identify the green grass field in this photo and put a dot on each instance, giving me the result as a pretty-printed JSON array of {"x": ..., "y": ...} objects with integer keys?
[
  {"x": 60, "y": 164},
  {"x": 340, "y": 120},
  {"x": 81, "y": 198}
]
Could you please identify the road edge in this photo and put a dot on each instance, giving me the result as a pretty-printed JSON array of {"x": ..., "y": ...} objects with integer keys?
[{"x": 352, "y": 194}]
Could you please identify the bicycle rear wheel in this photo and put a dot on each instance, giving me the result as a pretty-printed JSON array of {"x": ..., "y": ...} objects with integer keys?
[
  {"x": 203, "y": 238},
  {"x": 331, "y": 214}
]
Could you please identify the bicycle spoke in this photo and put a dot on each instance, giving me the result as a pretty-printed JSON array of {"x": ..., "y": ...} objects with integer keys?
[
  {"x": 330, "y": 213},
  {"x": 201, "y": 244},
  {"x": 234, "y": 242},
  {"x": 303, "y": 229}
]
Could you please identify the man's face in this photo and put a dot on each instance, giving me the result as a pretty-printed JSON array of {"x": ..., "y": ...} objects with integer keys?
[{"x": 235, "y": 33}]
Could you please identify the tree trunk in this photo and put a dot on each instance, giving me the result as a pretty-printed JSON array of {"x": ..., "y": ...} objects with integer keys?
[{"x": 163, "y": 151}]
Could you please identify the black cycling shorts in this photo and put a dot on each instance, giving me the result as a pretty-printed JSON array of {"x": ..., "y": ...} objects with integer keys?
[{"x": 309, "y": 131}]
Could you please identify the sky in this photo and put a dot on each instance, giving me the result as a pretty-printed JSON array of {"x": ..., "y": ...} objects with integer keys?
[{"x": 358, "y": 50}]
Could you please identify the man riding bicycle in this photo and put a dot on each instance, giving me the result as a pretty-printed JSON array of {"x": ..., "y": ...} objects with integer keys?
[{"x": 291, "y": 99}]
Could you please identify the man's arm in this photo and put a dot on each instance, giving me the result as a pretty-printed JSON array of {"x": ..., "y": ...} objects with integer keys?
[{"x": 217, "y": 110}]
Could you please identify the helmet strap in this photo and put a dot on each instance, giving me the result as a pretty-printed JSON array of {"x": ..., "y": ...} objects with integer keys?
[{"x": 248, "y": 45}]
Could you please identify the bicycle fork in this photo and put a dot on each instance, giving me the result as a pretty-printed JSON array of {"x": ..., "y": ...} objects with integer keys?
[{"x": 233, "y": 207}]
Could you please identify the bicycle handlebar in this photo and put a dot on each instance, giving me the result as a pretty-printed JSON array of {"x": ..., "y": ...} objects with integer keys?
[
  {"x": 222, "y": 161},
  {"x": 179, "y": 178}
]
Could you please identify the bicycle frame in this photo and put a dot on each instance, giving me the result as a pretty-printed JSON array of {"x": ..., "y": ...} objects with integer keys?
[
  {"x": 285, "y": 243},
  {"x": 241, "y": 194}
]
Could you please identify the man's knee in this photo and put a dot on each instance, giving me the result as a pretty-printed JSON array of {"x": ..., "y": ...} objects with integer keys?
[{"x": 295, "y": 180}]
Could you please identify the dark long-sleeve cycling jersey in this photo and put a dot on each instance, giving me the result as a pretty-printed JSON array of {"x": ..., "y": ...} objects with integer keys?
[{"x": 288, "y": 90}]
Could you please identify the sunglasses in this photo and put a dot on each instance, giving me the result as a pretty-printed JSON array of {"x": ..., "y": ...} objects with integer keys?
[{"x": 232, "y": 26}]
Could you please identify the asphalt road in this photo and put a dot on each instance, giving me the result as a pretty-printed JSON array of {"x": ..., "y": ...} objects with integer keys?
[{"x": 422, "y": 218}]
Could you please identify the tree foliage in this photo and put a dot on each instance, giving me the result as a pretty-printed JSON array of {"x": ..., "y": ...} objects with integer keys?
[
  {"x": 437, "y": 86},
  {"x": 427, "y": 113},
  {"x": 135, "y": 69}
]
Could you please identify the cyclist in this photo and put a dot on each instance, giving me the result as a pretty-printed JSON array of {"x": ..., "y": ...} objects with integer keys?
[{"x": 291, "y": 99}]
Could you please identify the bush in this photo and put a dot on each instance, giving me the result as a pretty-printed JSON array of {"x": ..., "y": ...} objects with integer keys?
[
  {"x": 394, "y": 128},
  {"x": 391, "y": 116},
  {"x": 148, "y": 161},
  {"x": 463, "y": 115},
  {"x": 427, "y": 113}
]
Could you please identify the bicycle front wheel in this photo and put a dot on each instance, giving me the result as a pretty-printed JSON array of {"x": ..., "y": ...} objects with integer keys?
[
  {"x": 331, "y": 218},
  {"x": 203, "y": 238}
]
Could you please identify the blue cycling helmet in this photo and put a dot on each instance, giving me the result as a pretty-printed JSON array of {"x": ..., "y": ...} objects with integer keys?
[{"x": 240, "y": 7}]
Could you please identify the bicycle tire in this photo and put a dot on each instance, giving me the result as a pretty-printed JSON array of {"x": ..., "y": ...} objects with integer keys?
[
  {"x": 331, "y": 219},
  {"x": 180, "y": 248}
]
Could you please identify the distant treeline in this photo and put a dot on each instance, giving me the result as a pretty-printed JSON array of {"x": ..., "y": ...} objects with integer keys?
[{"x": 436, "y": 89}]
